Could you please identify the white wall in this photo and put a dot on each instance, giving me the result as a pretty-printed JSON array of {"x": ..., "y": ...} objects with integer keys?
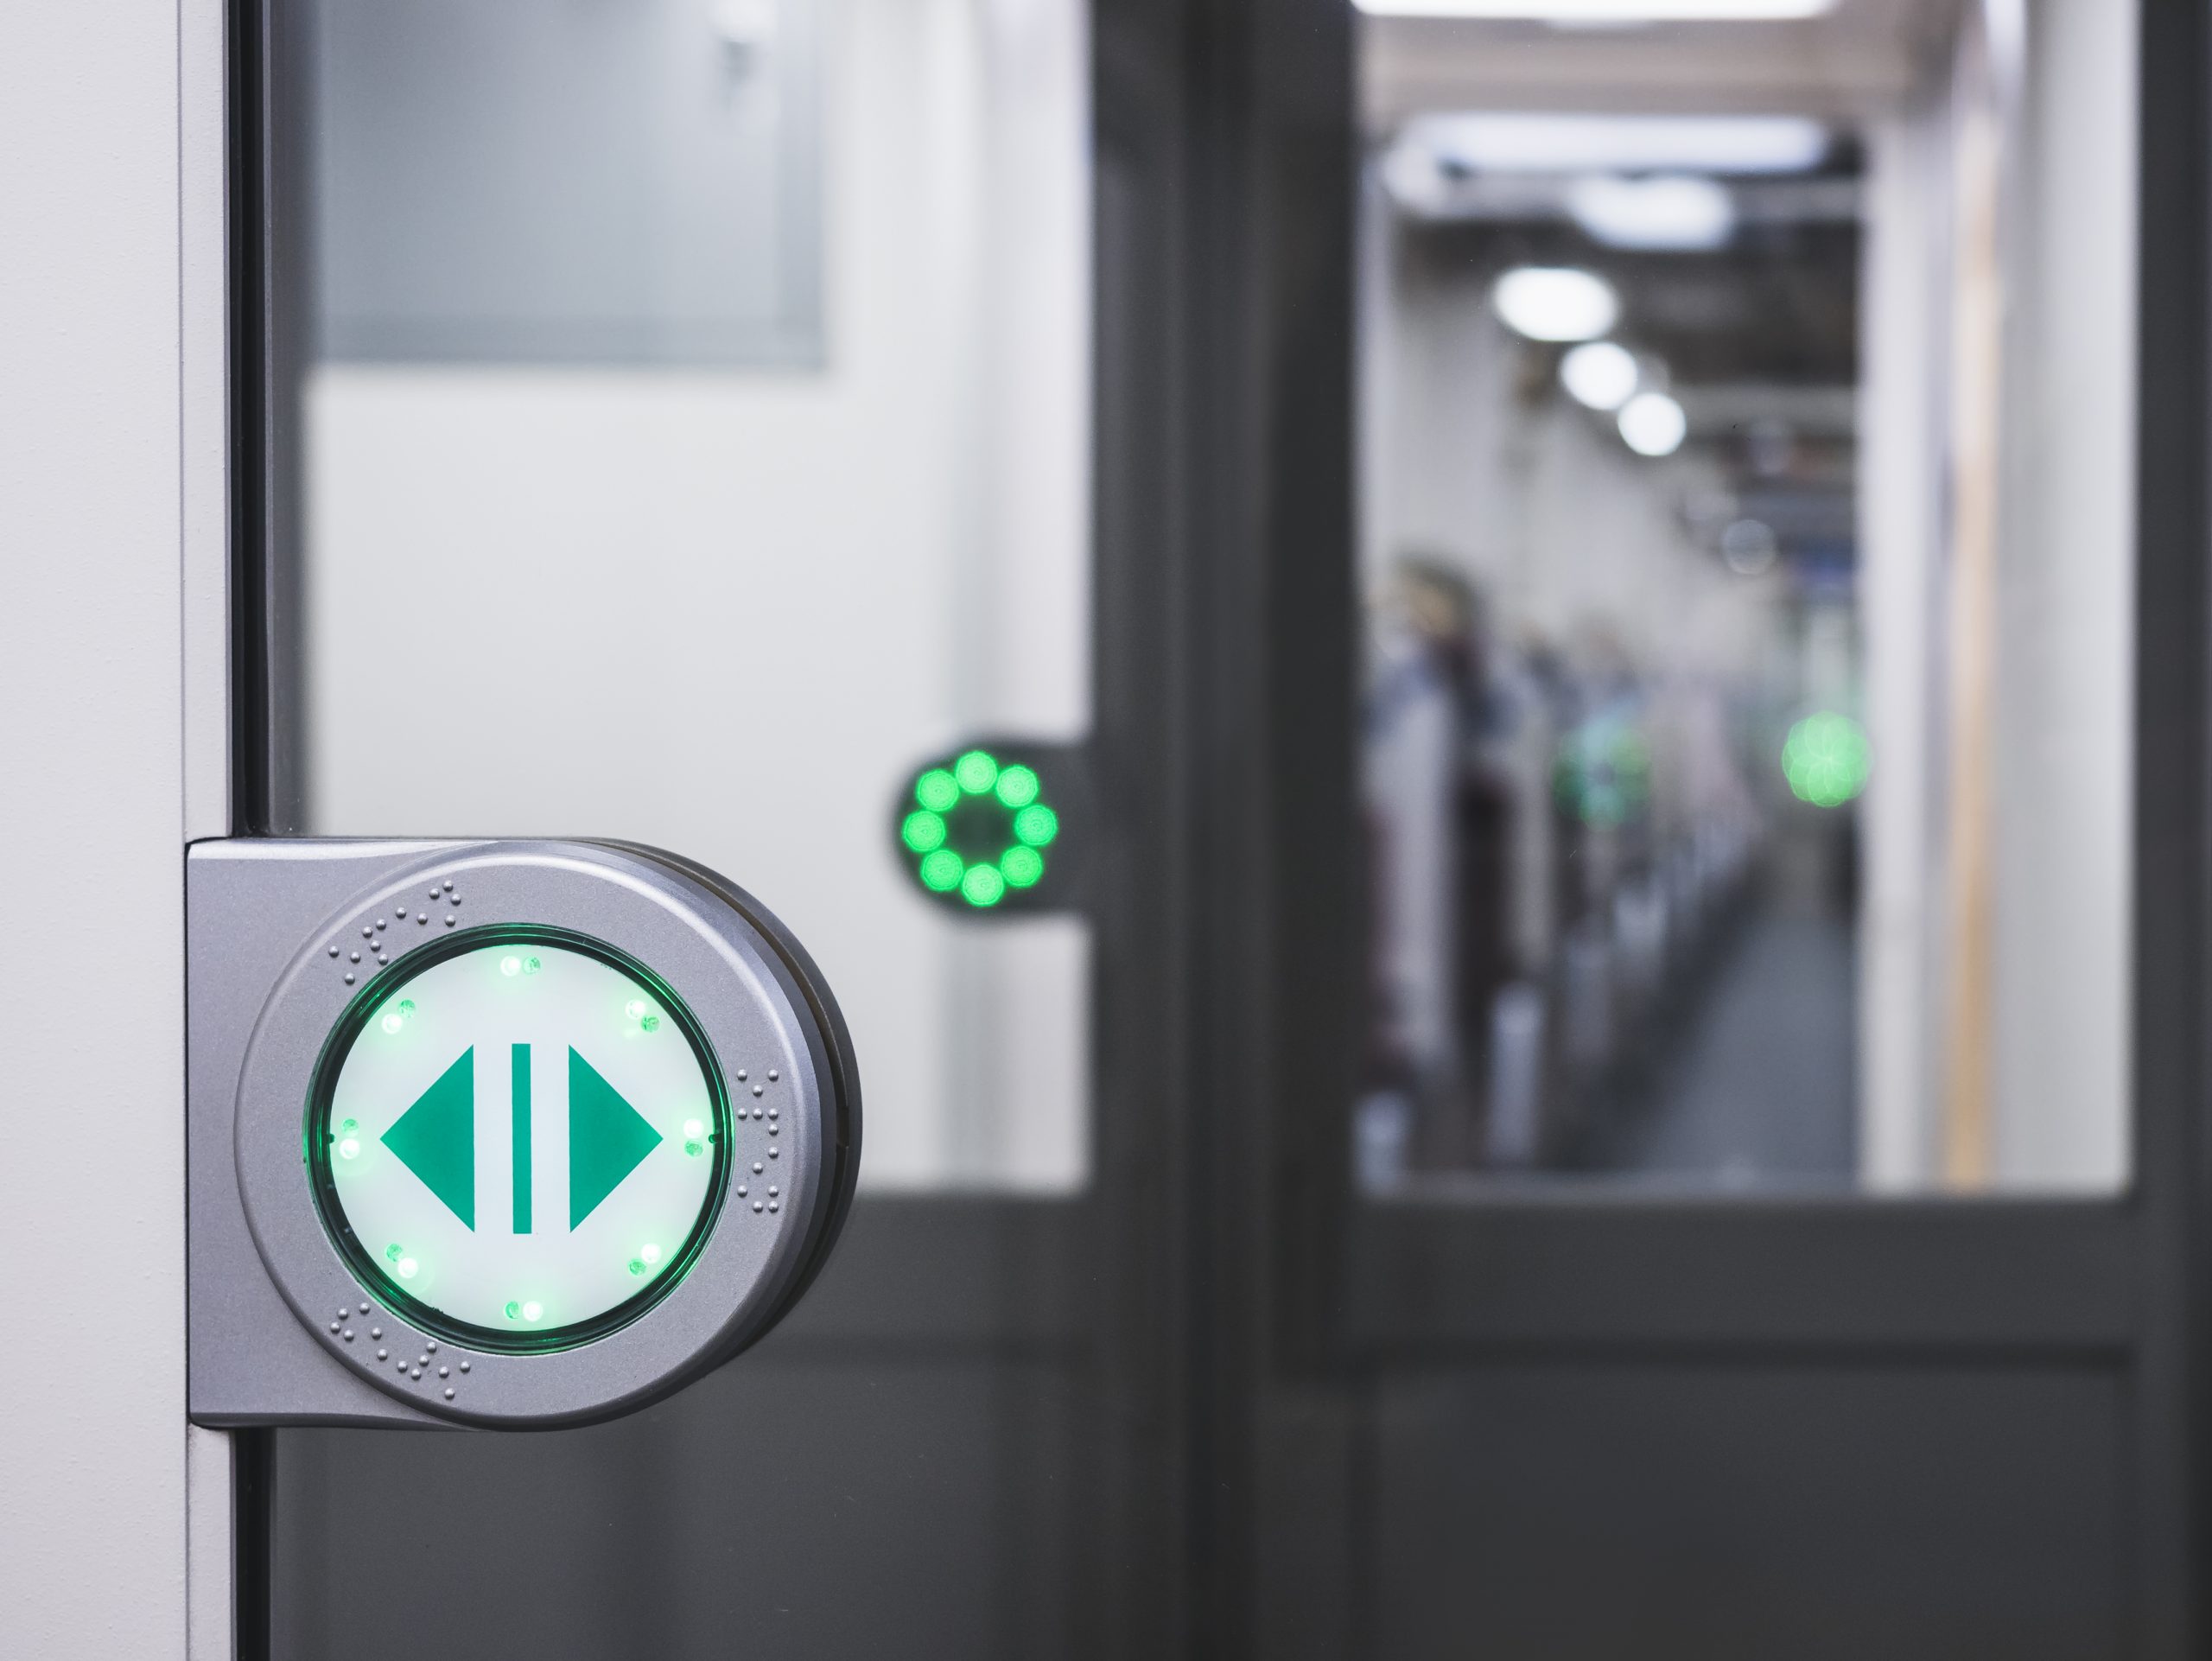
[
  {"x": 726, "y": 613},
  {"x": 1568, "y": 531},
  {"x": 2066, "y": 587},
  {"x": 93, "y": 1557},
  {"x": 1901, "y": 427}
]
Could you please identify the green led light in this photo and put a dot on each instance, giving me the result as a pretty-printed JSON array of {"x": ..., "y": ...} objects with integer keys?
[
  {"x": 692, "y": 1147},
  {"x": 392, "y": 1023},
  {"x": 936, "y": 789},
  {"x": 530, "y": 966},
  {"x": 1037, "y": 824},
  {"x": 532, "y": 1309},
  {"x": 511, "y": 965},
  {"x": 347, "y": 1127},
  {"x": 978, "y": 770},
  {"x": 407, "y": 1266},
  {"x": 980, "y": 828},
  {"x": 1017, "y": 786},
  {"x": 394, "y": 1252},
  {"x": 637, "y": 1265},
  {"x": 514, "y": 1310},
  {"x": 649, "y": 1024},
  {"x": 348, "y": 1147},
  {"x": 694, "y": 1129},
  {"x": 649, "y": 1252},
  {"x": 1826, "y": 759},
  {"x": 635, "y": 1008}
]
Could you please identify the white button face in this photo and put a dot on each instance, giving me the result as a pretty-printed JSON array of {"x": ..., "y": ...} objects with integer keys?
[{"x": 522, "y": 1139}]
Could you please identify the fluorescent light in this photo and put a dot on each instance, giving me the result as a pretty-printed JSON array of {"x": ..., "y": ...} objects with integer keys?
[
  {"x": 1555, "y": 303},
  {"x": 1667, "y": 210},
  {"x": 1653, "y": 424},
  {"x": 1623, "y": 144},
  {"x": 1606, "y": 11},
  {"x": 1599, "y": 375}
]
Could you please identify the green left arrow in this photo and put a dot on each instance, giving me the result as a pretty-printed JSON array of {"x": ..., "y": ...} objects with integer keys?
[{"x": 436, "y": 1138}]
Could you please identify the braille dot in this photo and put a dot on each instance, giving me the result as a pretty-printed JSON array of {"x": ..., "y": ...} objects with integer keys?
[
  {"x": 772, "y": 1205},
  {"x": 422, "y": 1360},
  {"x": 774, "y": 1075},
  {"x": 365, "y": 1309},
  {"x": 464, "y": 1366},
  {"x": 448, "y": 1394},
  {"x": 343, "y": 1312},
  {"x": 422, "y": 917},
  {"x": 379, "y": 922},
  {"x": 401, "y": 1364},
  {"x": 383, "y": 1355},
  {"x": 453, "y": 900},
  {"x": 367, "y": 931},
  {"x": 772, "y": 1152},
  {"x": 417, "y": 1373},
  {"x": 757, "y": 1167},
  {"x": 333, "y": 951},
  {"x": 443, "y": 1371},
  {"x": 772, "y": 1191},
  {"x": 431, "y": 1345},
  {"x": 353, "y": 957},
  {"x": 349, "y": 977},
  {"x": 401, "y": 914},
  {"x": 381, "y": 959},
  {"x": 741, "y": 1191},
  {"x": 349, "y": 1334},
  {"x": 741, "y": 1075},
  {"x": 434, "y": 893},
  {"x": 333, "y": 1324},
  {"x": 451, "y": 919},
  {"x": 756, "y": 1205},
  {"x": 376, "y": 1332},
  {"x": 758, "y": 1089},
  {"x": 446, "y": 885}
]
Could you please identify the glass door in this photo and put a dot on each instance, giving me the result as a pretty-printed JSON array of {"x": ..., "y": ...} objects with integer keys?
[
  {"x": 1625, "y": 610},
  {"x": 686, "y": 424}
]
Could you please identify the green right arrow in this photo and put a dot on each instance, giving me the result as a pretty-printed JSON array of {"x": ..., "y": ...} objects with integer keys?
[
  {"x": 607, "y": 1138},
  {"x": 436, "y": 1138}
]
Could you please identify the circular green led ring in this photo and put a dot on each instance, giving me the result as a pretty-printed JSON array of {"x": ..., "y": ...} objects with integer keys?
[{"x": 1027, "y": 826}]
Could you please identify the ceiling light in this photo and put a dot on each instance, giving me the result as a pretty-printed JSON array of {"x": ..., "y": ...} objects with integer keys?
[
  {"x": 1665, "y": 211},
  {"x": 1624, "y": 143},
  {"x": 1653, "y": 424},
  {"x": 1599, "y": 375},
  {"x": 1555, "y": 303},
  {"x": 1606, "y": 11}
]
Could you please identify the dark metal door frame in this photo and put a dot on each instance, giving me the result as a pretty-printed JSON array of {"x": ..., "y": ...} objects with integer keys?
[{"x": 1350, "y": 1290}]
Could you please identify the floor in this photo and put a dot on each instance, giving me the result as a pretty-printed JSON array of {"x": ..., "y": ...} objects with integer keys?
[{"x": 1756, "y": 1081}]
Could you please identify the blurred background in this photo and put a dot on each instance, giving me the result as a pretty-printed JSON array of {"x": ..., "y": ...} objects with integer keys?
[
  {"x": 1745, "y": 516},
  {"x": 1592, "y": 545}
]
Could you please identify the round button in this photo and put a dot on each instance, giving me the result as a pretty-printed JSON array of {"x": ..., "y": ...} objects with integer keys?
[{"x": 505, "y": 1140}]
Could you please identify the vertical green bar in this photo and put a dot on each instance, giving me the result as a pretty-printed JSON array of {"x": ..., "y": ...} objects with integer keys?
[{"x": 522, "y": 1137}]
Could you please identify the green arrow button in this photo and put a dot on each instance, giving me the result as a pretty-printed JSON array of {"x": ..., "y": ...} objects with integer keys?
[
  {"x": 436, "y": 1138},
  {"x": 607, "y": 1138}
]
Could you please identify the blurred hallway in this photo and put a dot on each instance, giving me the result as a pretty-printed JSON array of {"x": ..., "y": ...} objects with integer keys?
[{"x": 1758, "y": 1083}]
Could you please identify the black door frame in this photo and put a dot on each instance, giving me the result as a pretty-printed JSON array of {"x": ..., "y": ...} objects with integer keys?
[{"x": 1349, "y": 1289}]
